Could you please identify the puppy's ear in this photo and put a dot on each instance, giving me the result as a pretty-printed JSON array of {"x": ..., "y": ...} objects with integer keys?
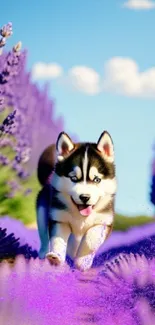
[
  {"x": 105, "y": 146},
  {"x": 64, "y": 146}
]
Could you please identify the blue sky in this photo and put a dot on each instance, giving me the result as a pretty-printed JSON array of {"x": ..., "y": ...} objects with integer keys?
[{"x": 114, "y": 90}]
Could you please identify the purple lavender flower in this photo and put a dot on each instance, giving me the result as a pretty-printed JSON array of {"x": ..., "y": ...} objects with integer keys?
[
  {"x": 23, "y": 174},
  {"x": 25, "y": 235},
  {"x": 8, "y": 122},
  {"x": 10, "y": 195},
  {"x": 10, "y": 246},
  {"x": 10, "y": 68},
  {"x": 14, "y": 187},
  {"x": 28, "y": 191},
  {"x": 4, "y": 160},
  {"x": 17, "y": 47},
  {"x": 23, "y": 155},
  {"x": 6, "y": 142},
  {"x": 2, "y": 41},
  {"x": 6, "y": 30},
  {"x": 1, "y": 101}
]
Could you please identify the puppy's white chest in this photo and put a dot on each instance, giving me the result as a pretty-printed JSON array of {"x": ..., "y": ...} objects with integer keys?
[{"x": 82, "y": 224}]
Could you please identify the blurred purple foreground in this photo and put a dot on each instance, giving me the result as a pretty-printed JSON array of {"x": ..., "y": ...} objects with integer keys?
[{"x": 118, "y": 290}]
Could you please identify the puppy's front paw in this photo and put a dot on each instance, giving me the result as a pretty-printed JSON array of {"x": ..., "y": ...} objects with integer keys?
[
  {"x": 54, "y": 259},
  {"x": 84, "y": 263}
]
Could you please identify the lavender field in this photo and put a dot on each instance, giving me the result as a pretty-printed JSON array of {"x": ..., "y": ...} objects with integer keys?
[{"x": 120, "y": 287}]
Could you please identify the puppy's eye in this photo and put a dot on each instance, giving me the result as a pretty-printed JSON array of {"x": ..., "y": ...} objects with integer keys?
[
  {"x": 74, "y": 178},
  {"x": 97, "y": 180}
]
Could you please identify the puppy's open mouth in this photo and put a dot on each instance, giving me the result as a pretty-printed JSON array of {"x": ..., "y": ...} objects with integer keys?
[{"x": 84, "y": 209}]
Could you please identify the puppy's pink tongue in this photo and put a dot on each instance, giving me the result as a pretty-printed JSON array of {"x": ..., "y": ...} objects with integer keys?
[{"x": 85, "y": 211}]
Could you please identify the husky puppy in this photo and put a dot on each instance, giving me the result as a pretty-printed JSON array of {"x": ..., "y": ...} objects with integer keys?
[{"x": 75, "y": 208}]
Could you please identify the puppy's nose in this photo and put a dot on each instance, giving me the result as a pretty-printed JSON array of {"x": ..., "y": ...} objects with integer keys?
[{"x": 84, "y": 198}]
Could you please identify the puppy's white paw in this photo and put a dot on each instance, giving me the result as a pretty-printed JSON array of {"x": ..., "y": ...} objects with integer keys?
[
  {"x": 54, "y": 259},
  {"x": 84, "y": 263}
]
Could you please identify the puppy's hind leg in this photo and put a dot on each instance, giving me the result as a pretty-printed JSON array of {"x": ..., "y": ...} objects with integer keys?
[{"x": 42, "y": 207}]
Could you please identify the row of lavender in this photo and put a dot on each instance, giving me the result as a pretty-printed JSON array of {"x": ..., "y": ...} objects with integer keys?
[{"x": 27, "y": 114}]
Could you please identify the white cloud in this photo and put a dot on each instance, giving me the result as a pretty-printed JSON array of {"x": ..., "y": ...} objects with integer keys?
[
  {"x": 139, "y": 4},
  {"x": 43, "y": 70},
  {"x": 84, "y": 79},
  {"x": 122, "y": 76}
]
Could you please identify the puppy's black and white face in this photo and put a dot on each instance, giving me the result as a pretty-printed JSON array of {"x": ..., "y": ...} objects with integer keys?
[{"x": 85, "y": 171}]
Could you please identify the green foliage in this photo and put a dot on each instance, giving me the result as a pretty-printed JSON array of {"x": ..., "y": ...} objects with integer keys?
[
  {"x": 19, "y": 207},
  {"x": 123, "y": 222}
]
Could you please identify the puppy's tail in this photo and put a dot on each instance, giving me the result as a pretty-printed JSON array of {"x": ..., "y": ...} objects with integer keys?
[{"x": 46, "y": 164}]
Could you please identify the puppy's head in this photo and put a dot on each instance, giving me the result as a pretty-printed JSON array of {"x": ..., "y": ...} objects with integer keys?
[{"x": 85, "y": 171}]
